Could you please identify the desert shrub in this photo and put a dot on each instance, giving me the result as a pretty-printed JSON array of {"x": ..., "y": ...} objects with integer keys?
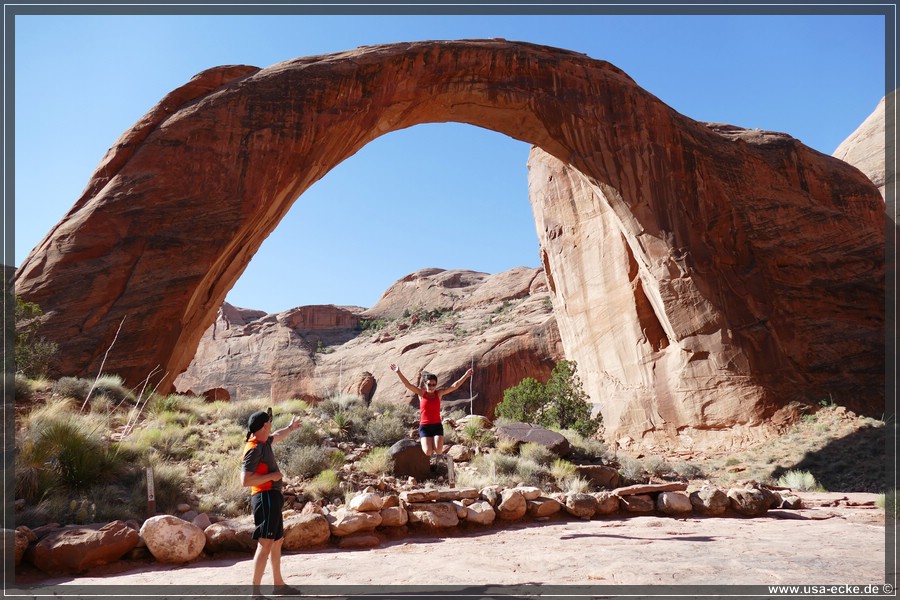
[
  {"x": 72, "y": 387},
  {"x": 803, "y": 481},
  {"x": 587, "y": 447},
  {"x": 384, "y": 430},
  {"x": 220, "y": 491},
  {"x": 304, "y": 461},
  {"x": 631, "y": 470},
  {"x": 561, "y": 402},
  {"x": 306, "y": 435},
  {"x": 562, "y": 470},
  {"x": 340, "y": 403},
  {"x": 32, "y": 353},
  {"x": 576, "y": 485},
  {"x": 531, "y": 473},
  {"x": 77, "y": 454},
  {"x": 324, "y": 485},
  {"x": 294, "y": 406},
  {"x": 473, "y": 478},
  {"x": 408, "y": 415},
  {"x": 688, "y": 471},
  {"x": 377, "y": 462},
  {"x": 500, "y": 466},
  {"x": 475, "y": 434},
  {"x": 113, "y": 387},
  {"x": 657, "y": 466},
  {"x": 506, "y": 445},
  {"x": 171, "y": 482},
  {"x": 537, "y": 453}
]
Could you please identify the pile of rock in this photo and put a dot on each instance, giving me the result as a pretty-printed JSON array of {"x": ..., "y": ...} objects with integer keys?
[{"x": 369, "y": 518}]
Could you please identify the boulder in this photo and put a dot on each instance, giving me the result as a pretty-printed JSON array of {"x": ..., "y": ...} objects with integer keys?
[
  {"x": 172, "y": 540},
  {"x": 394, "y": 516},
  {"x": 366, "y": 502},
  {"x": 460, "y": 453},
  {"x": 231, "y": 535},
  {"x": 409, "y": 460},
  {"x": 599, "y": 476},
  {"x": 749, "y": 501},
  {"x": 492, "y": 494},
  {"x": 543, "y": 507},
  {"x": 75, "y": 548},
  {"x": 607, "y": 503},
  {"x": 581, "y": 505},
  {"x": 433, "y": 514},
  {"x": 345, "y": 521},
  {"x": 24, "y": 537},
  {"x": 304, "y": 530},
  {"x": 528, "y": 492},
  {"x": 709, "y": 501},
  {"x": 526, "y": 432},
  {"x": 481, "y": 513},
  {"x": 512, "y": 505},
  {"x": 673, "y": 503},
  {"x": 637, "y": 503}
]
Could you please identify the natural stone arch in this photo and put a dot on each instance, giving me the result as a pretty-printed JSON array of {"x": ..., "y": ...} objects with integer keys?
[{"x": 721, "y": 229}]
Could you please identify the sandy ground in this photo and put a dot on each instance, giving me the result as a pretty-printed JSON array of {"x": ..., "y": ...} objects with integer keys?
[{"x": 818, "y": 545}]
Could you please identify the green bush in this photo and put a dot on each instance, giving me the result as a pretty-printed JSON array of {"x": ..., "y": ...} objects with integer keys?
[
  {"x": 32, "y": 354},
  {"x": 560, "y": 403},
  {"x": 385, "y": 430},
  {"x": 803, "y": 481},
  {"x": 562, "y": 470},
  {"x": 72, "y": 387},
  {"x": 537, "y": 453},
  {"x": 302, "y": 461},
  {"x": 377, "y": 462}
]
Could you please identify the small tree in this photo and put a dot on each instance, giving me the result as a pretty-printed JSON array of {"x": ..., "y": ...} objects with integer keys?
[
  {"x": 32, "y": 354},
  {"x": 561, "y": 402}
]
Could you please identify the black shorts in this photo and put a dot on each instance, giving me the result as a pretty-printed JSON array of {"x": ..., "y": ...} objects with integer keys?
[
  {"x": 431, "y": 430},
  {"x": 266, "y": 507}
]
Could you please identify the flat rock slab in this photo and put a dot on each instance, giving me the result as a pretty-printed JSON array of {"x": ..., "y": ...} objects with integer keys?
[{"x": 650, "y": 488}]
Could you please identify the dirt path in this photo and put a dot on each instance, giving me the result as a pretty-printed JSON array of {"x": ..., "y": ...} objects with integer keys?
[{"x": 820, "y": 545}]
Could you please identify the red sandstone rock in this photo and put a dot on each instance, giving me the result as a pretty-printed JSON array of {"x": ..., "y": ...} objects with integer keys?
[{"x": 705, "y": 276}]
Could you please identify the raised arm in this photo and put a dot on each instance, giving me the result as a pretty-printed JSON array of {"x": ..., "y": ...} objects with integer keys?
[
  {"x": 406, "y": 382},
  {"x": 456, "y": 384},
  {"x": 294, "y": 425}
]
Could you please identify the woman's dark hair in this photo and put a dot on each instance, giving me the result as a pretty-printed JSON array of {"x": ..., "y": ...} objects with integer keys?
[{"x": 429, "y": 377}]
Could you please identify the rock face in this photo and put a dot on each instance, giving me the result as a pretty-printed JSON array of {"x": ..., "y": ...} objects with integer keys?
[
  {"x": 435, "y": 320},
  {"x": 864, "y": 148},
  {"x": 704, "y": 275},
  {"x": 693, "y": 314}
]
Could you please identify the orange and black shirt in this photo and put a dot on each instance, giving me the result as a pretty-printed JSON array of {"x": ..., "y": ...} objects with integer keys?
[{"x": 259, "y": 458}]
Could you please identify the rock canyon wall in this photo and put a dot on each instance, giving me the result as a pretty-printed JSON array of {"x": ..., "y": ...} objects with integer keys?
[{"x": 753, "y": 265}]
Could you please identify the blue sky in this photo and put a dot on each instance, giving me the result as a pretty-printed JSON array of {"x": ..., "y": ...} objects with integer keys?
[{"x": 442, "y": 195}]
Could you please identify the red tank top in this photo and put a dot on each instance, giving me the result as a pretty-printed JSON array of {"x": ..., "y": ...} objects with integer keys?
[{"x": 429, "y": 408}]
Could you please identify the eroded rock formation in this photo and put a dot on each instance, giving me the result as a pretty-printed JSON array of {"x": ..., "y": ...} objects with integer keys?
[
  {"x": 755, "y": 265},
  {"x": 431, "y": 320}
]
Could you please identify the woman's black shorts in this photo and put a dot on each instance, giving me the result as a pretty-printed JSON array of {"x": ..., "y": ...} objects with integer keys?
[
  {"x": 431, "y": 430},
  {"x": 266, "y": 508}
]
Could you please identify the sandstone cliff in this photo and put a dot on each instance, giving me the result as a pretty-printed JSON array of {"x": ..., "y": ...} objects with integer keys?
[
  {"x": 431, "y": 320},
  {"x": 864, "y": 148}
]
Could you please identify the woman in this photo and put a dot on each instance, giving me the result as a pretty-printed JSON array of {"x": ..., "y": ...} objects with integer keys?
[{"x": 431, "y": 429}]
